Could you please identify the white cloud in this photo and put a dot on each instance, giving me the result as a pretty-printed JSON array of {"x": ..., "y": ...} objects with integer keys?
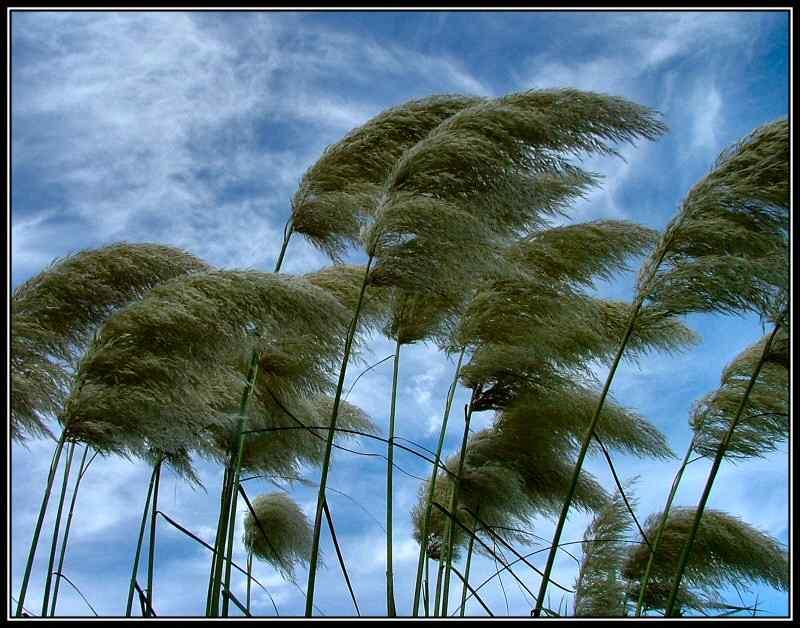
[
  {"x": 148, "y": 121},
  {"x": 706, "y": 106}
]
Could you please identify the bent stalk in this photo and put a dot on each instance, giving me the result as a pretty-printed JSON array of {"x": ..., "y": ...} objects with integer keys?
[
  {"x": 432, "y": 484},
  {"x": 312, "y": 568},
  {"x": 54, "y": 545},
  {"x": 587, "y": 439},
  {"x": 81, "y": 471},
  {"x": 135, "y": 570},
  {"x": 38, "y": 529},
  {"x": 390, "y": 606},
  {"x": 451, "y": 532},
  {"x": 723, "y": 447},
  {"x": 660, "y": 531},
  {"x": 287, "y": 234}
]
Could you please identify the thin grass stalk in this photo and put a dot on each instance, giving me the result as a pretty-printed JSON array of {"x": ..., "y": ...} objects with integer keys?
[
  {"x": 67, "y": 528},
  {"x": 429, "y": 507},
  {"x": 587, "y": 439},
  {"x": 426, "y": 592},
  {"x": 494, "y": 552},
  {"x": 339, "y": 555},
  {"x": 451, "y": 532},
  {"x": 390, "y": 606},
  {"x": 496, "y": 538},
  {"x": 477, "y": 597},
  {"x": 467, "y": 566},
  {"x": 197, "y": 539},
  {"x": 660, "y": 531},
  {"x": 129, "y": 606},
  {"x": 143, "y": 602},
  {"x": 215, "y": 556},
  {"x": 222, "y": 531},
  {"x": 621, "y": 490},
  {"x": 438, "y": 598},
  {"x": 227, "y": 595},
  {"x": 151, "y": 549},
  {"x": 287, "y": 234},
  {"x": 38, "y": 529},
  {"x": 54, "y": 544},
  {"x": 226, "y": 493},
  {"x": 712, "y": 475},
  {"x": 60, "y": 575},
  {"x": 251, "y": 378},
  {"x": 326, "y": 461},
  {"x": 249, "y": 577}
]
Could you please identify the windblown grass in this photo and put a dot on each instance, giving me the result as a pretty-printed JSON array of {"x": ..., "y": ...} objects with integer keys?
[
  {"x": 726, "y": 550},
  {"x": 764, "y": 423},
  {"x": 509, "y": 480},
  {"x": 166, "y": 373},
  {"x": 343, "y": 281},
  {"x": 55, "y": 313},
  {"x": 581, "y": 253},
  {"x": 600, "y": 589},
  {"x": 727, "y": 249},
  {"x": 338, "y": 192},
  {"x": 490, "y": 171},
  {"x": 282, "y": 452}
]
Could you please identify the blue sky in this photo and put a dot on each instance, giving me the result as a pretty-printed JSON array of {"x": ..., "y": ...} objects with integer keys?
[{"x": 193, "y": 129}]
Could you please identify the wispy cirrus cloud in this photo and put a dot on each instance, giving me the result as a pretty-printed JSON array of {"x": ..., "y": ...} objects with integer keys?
[{"x": 166, "y": 122}]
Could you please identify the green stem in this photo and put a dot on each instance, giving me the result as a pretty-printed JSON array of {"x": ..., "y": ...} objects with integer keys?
[
  {"x": 54, "y": 544},
  {"x": 587, "y": 439},
  {"x": 432, "y": 484},
  {"x": 326, "y": 460},
  {"x": 467, "y": 566},
  {"x": 426, "y": 594},
  {"x": 712, "y": 475},
  {"x": 287, "y": 234},
  {"x": 223, "y": 500},
  {"x": 438, "y": 587},
  {"x": 390, "y": 606},
  {"x": 151, "y": 549},
  {"x": 38, "y": 529},
  {"x": 135, "y": 570},
  {"x": 67, "y": 528},
  {"x": 660, "y": 532},
  {"x": 451, "y": 532},
  {"x": 249, "y": 576},
  {"x": 237, "y": 466}
]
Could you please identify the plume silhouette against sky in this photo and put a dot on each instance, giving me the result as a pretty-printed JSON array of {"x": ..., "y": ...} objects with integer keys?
[{"x": 194, "y": 129}]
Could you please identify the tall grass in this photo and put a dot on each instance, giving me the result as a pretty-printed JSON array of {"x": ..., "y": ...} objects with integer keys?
[
  {"x": 725, "y": 251},
  {"x": 147, "y": 352}
]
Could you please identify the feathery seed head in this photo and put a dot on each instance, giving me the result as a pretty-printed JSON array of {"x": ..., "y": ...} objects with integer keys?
[
  {"x": 727, "y": 249},
  {"x": 168, "y": 371},
  {"x": 279, "y": 533},
  {"x": 55, "y": 313},
  {"x": 764, "y": 422},
  {"x": 337, "y": 194},
  {"x": 726, "y": 550},
  {"x": 600, "y": 589}
]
